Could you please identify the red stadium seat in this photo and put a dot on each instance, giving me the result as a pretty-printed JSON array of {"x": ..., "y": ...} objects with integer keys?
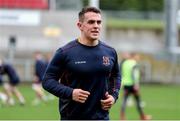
[{"x": 27, "y": 4}]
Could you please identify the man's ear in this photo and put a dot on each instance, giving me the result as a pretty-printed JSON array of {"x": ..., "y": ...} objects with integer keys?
[{"x": 79, "y": 24}]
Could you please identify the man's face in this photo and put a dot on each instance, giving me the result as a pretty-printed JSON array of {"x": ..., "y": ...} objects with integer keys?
[{"x": 91, "y": 25}]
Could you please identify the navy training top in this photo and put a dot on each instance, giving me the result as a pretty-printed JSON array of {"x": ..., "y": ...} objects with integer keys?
[
  {"x": 91, "y": 68},
  {"x": 40, "y": 67},
  {"x": 10, "y": 71}
]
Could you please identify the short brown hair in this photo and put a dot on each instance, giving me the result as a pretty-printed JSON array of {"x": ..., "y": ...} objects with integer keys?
[{"x": 88, "y": 9}]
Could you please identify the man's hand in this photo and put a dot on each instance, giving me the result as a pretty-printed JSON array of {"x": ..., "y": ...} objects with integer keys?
[
  {"x": 80, "y": 95},
  {"x": 108, "y": 102}
]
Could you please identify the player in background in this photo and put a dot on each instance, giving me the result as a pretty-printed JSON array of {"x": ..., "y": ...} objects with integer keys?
[
  {"x": 11, "y": 87},
  {"x": 130, "y": 72},
  {"x": 125, "y": 56},
  {"x": 39, "y": 69}
]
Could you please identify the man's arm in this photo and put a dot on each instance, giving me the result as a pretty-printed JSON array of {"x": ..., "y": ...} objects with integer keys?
[
  {"x": 136, "y": 76},
  {"x": 52, "y": 75},
  {"x": 113, "y": 87},
  {"x": 1, "y": 79},
  {"x": 115, "y": 80}
]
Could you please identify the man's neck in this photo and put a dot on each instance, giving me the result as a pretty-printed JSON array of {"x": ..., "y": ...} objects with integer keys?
[{"x": 88, "y": 42}]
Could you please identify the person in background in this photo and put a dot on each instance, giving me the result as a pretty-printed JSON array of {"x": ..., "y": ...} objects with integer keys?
[
  {"x": 39, "y": 69},
  {"x": 130, "y": 72},
  {"x": 125, "y": 56},
  {"x": 11, "y": 87},
  {"x": 84, "y": 73}
]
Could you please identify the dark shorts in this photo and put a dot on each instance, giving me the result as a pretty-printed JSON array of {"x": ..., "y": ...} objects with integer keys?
[
  {"x": 14, "y": 82},
  {"x": 1, "y": 82},
  {"x": 130, "y": 90}
]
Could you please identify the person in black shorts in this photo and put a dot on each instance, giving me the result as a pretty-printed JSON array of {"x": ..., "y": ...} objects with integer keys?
[
  {"x": 11, "y": 87},
  {"x": 40, "y": 66},
  {"x": 130, "y": 72}
]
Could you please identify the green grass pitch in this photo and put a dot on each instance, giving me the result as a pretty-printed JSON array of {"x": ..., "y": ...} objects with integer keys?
[{"x": 162, "y": 102}]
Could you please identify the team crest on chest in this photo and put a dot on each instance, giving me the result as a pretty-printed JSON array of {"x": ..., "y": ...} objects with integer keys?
[{"x": 106, "y": 60}]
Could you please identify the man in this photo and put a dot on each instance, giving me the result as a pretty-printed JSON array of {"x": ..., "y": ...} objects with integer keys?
[
  {"x": 125, "y": 56},
  {"x": 40, "y": 67},
  {"x": 87, "y": 71},
  {"x": 130, "y": 80},
  {"x": 11, "y": 87}
]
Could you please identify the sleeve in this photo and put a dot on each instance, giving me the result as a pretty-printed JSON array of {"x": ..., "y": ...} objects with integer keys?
[
  {"x": 115, "y": 79},
  {"x": 39, "y": 69},
  {"x": 52, "y": 75},
  {"x": 1, "y": 81},
  {"x": 36, "y": 70}
]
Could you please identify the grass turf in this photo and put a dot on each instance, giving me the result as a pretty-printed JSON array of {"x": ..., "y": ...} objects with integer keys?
[{"x": 162, "y": 102}]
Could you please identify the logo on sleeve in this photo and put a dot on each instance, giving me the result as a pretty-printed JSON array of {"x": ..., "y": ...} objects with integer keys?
[
  {"x": 106, "y": 60},
  {"x": 80, "y": 62}
]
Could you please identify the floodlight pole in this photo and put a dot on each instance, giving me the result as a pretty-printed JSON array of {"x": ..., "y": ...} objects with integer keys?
[
  {"x": 171, "y": 28},
  {"x": 12, "y": 46},
  {"x": 52, "y": 5},
  {"x": 94, "y": 3},
  {"x": 171, "y": 34}
]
